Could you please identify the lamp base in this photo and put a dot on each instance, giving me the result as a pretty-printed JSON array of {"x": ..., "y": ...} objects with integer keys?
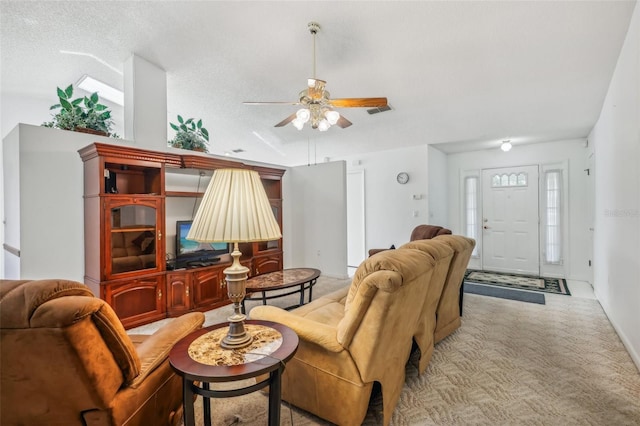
[
  {"x": 237, "y": 337},
  {"x": 236, "y": 281}
]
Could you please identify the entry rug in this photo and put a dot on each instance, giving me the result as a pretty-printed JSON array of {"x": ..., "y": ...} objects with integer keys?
[
  {"x": 518, "y": 281},
  {"x": 504, "y": 293}
]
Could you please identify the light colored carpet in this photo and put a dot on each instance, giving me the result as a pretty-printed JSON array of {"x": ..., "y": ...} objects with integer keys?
[{"x": 511, "y": 363}]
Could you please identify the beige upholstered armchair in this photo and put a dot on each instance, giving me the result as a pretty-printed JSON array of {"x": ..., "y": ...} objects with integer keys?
[
  {"x": 450, "y": 304},
  {"x": 66, "y": 360},
  {"x": 420, "y": 232},
  {"x": 359, "y": 335}
]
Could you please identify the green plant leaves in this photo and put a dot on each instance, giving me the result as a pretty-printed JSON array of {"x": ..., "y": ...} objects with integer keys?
[
  {"x": 66, "y": 104},
  {"x": 83, "y": 111},
  {"x": 189, "y": 135}
]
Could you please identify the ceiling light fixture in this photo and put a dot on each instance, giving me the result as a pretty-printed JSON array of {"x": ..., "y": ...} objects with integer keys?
[
  {"x": 318, "y": 113},
  {"x": 105, "y": 91},
  {"x": 506, "y": 145}
]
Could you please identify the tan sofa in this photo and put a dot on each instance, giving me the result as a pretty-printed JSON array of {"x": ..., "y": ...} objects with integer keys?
[
  {"x": 66, "y": 360},
  {"x": 364, "y": 333},
  {"x": 424, "y": 335},
  {"x": 450, "y": 304}
]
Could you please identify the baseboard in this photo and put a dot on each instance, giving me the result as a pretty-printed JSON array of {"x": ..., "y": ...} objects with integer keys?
[{"x": 635, "y": 357}]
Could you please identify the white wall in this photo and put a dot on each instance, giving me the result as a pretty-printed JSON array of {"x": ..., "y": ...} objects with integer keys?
[
  {"x": 45, "y": 218},
  {"x": 389, "y": 206},
  {"x": 616, "y": 139},
  {"x": 438, "y": 196},
  {"x": 315, "y": 214},
  {"x": 573, "y": 152}
]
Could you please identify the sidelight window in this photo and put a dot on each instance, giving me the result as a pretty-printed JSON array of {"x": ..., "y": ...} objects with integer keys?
[
  {"x": 553, "y": 217},
  {"x": 471, "y": 209}
]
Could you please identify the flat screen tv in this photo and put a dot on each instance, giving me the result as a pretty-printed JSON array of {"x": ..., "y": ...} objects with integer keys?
[{"x": 189, "y": 250}]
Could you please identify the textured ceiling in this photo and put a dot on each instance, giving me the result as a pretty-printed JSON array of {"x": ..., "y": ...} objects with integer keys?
[{"x": 461, "y": 75}]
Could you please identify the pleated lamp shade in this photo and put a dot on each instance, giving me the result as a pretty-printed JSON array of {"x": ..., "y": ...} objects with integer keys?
[{"x": 235, "y": 208}]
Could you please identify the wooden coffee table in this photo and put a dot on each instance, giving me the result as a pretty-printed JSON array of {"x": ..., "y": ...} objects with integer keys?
[
  {"x": 300, "y": 278},
  {"x": 199, "y": 357}
]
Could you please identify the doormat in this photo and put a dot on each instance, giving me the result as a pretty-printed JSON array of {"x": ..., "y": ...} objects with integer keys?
[
  {"x": 504, "y": 293},
  {"x": 518, "y": 281}
]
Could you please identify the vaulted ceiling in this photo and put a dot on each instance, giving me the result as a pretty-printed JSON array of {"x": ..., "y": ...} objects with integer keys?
[{"x": 460, "y": 75}]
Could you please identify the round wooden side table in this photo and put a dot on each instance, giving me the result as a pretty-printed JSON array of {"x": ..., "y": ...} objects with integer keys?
[{"x": 199, "y": 357}]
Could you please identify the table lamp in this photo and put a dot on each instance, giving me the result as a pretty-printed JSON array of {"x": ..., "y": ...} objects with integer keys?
[{"x": 235, "y": 209}]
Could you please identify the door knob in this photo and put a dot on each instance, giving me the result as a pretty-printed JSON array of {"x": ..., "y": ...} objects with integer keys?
[{"x": 486, "y": 227}]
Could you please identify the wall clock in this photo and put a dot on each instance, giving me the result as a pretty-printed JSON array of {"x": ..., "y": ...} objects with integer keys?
[{"x": 402, "y": 178}]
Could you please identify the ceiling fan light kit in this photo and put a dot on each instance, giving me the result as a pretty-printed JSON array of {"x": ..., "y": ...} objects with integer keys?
[{"x": 317, "y": 107}]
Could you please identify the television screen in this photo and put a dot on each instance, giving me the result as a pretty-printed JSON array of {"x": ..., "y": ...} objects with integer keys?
[{"x": 186, "y": 247}]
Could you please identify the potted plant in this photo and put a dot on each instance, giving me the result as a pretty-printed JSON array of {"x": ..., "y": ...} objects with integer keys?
[
  {"x": 83, "y": 114},
  {"x": 190, "y": 135}
]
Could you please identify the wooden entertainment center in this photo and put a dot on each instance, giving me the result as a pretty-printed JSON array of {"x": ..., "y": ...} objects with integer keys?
[{"x": 126, "y": 245}]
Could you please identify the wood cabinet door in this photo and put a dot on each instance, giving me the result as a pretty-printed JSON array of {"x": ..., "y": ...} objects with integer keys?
[
  {"x": 178, "y": 293},
  {"x": 264, "y": 264},
  {"x": 207, "y": 286},
  {"x": 138, "y": 301}
]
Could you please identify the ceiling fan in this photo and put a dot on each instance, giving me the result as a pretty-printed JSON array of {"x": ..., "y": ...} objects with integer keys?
[{"x": 317, "y": 106}]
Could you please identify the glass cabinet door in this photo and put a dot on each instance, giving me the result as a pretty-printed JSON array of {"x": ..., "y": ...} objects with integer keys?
[{"x": 133, "y": 235}]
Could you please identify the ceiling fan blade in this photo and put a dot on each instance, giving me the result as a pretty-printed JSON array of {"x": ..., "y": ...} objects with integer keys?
[
  {"x": 358, "y": 102},
  {"x": 286, "y": 121},
  {"x": 271, "y": 103},
  {"x": 343, "y": 122}
]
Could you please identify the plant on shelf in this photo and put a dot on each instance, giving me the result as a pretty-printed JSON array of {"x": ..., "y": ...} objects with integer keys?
[
  {"x": 81, "y": 113},
  {"x": 190, "y": 135}
]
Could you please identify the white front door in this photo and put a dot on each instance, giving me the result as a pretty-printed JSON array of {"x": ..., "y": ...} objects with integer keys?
[{"x": 510, "y": 220}]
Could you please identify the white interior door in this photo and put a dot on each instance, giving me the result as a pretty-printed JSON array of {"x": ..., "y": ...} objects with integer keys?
[
  {"x": 355, "y": 219},
  {"x": 590, "y": 212},
  {"x": 510, "y": 236}
]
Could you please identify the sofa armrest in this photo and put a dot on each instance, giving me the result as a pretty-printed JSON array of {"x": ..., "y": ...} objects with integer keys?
[
  {"x": 321, "y": 334},
  {"x": 154, "y": 350}
]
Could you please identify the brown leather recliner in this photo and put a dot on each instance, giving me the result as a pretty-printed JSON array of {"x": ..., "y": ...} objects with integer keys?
[
  {"x": 421, "y": 232},
  {"x": 67, "y": 360}
]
